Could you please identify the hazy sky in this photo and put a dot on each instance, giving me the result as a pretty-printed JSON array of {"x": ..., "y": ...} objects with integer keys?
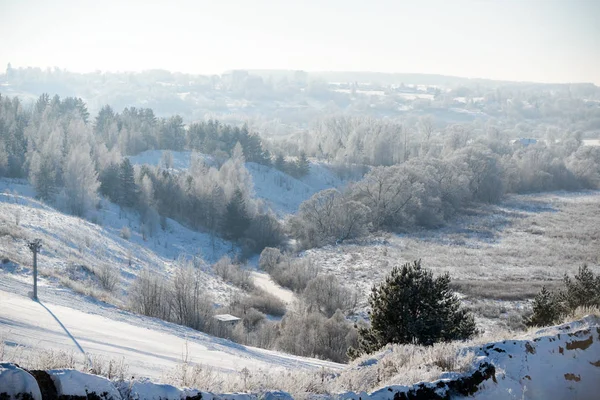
[{"x": 533, "y": 40}]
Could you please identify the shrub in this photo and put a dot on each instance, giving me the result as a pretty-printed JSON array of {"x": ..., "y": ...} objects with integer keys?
[
  {"x": 233, "y": 274},
  {"x": 311, "y": 334},
  {"x": 107, "y": 277},
  {"x": 412, "y": 306},
  {"x": 269, "y": 258},
  {"x": 191, "y": 305},
  {"x": 326, "y": 295},
  {"x": 148, "y": 295},
  {"x": 265, "y": 302},
  {"x": 264, "y": 230},
  {"x": 330, "y": 217},
  {"x": 182, "y": 300},
  {"x": 294, "y": 274},
  {"x": 125, "y": 233}
]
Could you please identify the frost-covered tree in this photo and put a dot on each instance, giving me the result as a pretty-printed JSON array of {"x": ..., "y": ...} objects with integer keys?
[
  {"x": 302, "y": 166},
  {"x": 80, "y": 181},
  {"x": 191, "y": 305},
  {"x": 327, "y": 295},
  {"x": 311, "y": 334},
  {"x": 166, "y": 159},
  {"x": 46, "y": 165},
  {"x": 233, "y": 175},
  {"x": 172, "y": 134},
  {"x": 329, "y": 217}
]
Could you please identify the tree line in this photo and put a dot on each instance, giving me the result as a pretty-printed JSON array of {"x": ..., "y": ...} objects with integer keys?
[
  {"x": 70, "y": 160},
  {"x": 427, "y": 190}
]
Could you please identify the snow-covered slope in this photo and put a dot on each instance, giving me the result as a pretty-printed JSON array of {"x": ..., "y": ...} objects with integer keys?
[
  {"x": 70, "y": 241},
  {"x": 280, "y": 191},
  {"x": 152, "y": 348}
]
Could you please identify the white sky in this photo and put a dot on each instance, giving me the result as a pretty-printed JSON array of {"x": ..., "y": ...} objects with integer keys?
[{"x": 533, "y": 40}]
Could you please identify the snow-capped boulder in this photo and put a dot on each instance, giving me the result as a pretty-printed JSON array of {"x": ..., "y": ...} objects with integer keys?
[
  {"x": 16, "y": 383},
  {"x": 69, "y": 382},
  {"x": 146, "y": 390}
]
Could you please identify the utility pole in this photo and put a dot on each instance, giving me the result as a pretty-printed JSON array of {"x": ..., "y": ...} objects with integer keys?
[{"x": 35, "y": 246}]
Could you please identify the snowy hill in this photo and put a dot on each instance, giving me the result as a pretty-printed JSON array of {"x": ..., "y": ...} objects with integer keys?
[
  {"x": 70, "y": 242},
  {"x": 70, "y": 323},
  {"x": 280, "y": 191}
]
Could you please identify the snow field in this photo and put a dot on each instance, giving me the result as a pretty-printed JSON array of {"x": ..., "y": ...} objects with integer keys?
[{"x": 150, "y": 348}]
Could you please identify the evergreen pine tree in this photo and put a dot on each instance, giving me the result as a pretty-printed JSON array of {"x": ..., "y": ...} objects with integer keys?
[
  {"x": 127, "y": 187},
  {"x": 302, "y": 165},
  {"x": 412, "y": 306},
  {"x": 110, "y": 182},
  {"x": 546, "y": 309},
  {"x": 583, "y": 290},
  {"x": 236, "y": 218},
  {"x": 252, "y": 145},
  {"x": 280, "y": 163}
]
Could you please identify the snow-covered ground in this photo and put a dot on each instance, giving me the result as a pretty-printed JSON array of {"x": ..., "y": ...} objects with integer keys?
[
  {"x": 559, "y": 362},
  {"x": 70, "y": 322},
  {"x": 281, "y": 192},
  {"x": 264, "y": 281},
  {"x": 152, "y": 348}
]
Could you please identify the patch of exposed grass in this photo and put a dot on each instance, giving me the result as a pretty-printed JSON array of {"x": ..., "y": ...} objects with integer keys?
[
  {"x": 502, "y": 289},
  {"x": 504, "y": 252}
]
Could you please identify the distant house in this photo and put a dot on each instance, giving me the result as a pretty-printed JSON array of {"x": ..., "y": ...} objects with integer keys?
[
  {"x": 225, "y": 323},
  {"x": 523, "y": 142},
  {"x": 227, "y": 319}
]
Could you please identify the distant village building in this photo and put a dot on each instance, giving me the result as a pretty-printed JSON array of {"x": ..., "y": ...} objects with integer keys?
[
  {"x": 523, "y": 141},
  {"x": 227, "y": 319},
  {"x": 225, "y": 324}
]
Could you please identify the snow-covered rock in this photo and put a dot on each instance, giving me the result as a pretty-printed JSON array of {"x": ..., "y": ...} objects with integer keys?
[
  {"x": 146, "y": 390},
  {"x": 69, "y": 382},
  {"x": 16, "y": 383},
  {"x": 561, "y": 362}
]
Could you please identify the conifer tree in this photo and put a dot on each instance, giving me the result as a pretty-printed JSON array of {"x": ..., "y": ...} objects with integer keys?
[
  {"x": 302, "y": 165},
  {"x": 236, "y": 218},
  {"x": 127, "y": 187},
  {"x": 583, "y": 290},
  {"x": 280, "y": 163},
  {"x": 546, "y": 309},
  {"x": 412, "y": 306}
]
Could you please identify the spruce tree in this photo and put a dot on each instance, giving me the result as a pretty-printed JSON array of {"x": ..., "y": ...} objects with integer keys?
[
  {"x": 411, "y": 306},
  {"x": 302, "y": 165},
  {"x": 236, "y": 218},
  {"x": 110, "y": 182},
  {"x": 280, "y": 163},
  {"x": 127, "y": 186}
]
